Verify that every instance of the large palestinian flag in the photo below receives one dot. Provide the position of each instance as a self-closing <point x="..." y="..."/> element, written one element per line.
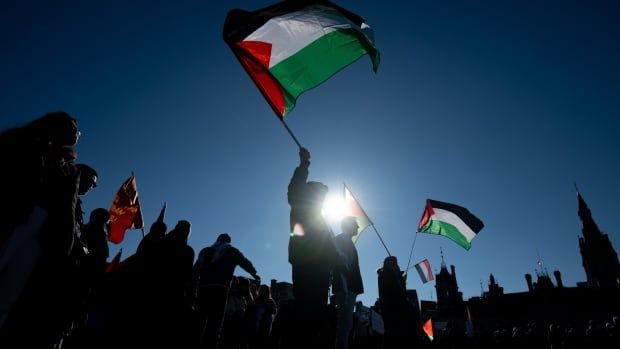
<point x="293" y="46"/>
<point x="452" y="221"/>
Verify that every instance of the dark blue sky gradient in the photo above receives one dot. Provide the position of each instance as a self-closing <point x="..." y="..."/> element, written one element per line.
<point x="496" y="106"/>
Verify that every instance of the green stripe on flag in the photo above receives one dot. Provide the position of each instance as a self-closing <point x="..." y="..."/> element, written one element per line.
<point x="318" y="61"/>
<point x="447" y="230"/>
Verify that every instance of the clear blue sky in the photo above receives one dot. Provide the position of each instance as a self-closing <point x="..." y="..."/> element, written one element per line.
<point x="496" y="106"/>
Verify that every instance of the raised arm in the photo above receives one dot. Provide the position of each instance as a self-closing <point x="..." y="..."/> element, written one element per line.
<point x="300" y="176"/>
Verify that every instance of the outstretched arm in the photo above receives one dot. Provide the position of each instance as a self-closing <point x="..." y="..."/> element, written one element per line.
<point x="300" y="176"/>
<point x="246" y="265"/>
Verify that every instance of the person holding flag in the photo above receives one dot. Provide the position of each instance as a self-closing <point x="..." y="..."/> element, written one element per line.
<point x="402" y="323"/>
<point x="311" y="252"/>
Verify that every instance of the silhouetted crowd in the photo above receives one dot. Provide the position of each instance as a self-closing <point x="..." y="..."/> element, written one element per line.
<point x="58" y="290"/>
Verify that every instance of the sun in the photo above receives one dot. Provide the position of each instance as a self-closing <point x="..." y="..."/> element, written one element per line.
<point x="334" y="208"/>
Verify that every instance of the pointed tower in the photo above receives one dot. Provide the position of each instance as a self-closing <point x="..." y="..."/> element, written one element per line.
<point x="448" y="295"/>
<point x="598" y="256"/>
<point x="494" y="288"/>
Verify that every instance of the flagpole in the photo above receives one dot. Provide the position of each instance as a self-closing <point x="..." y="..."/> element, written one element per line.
<point x="273" y="107"/>
<point x="411" y="253"/>
<point x="379" y="235"/>
<point x="133" y="175"/>
<point x="289" y="131"/>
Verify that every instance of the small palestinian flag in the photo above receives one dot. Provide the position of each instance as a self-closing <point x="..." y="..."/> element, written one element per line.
<point x="452" y="221"/>
<point x="424" y="269"/>
<point x="293" y="46"/>
<point x="353" y="209"/>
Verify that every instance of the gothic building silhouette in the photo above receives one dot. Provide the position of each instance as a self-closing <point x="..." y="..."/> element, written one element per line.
<point x="546" y="301"/>
<point x="599" y="259"/>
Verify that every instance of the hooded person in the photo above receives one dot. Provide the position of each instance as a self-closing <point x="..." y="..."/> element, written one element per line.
<point x="213" y="273"/>
<point x="180" y="259"/>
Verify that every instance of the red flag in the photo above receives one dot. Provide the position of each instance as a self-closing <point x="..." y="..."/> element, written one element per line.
<point x="115" y="263"/>
<point x="125" y="212"/>
<point x="428" y="328"/>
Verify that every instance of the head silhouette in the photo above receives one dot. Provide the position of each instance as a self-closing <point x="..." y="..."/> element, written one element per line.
<point x="349" y="226"/>
<point x="181" y="231"/>
<point x="316" y="192"/>
<point x="99" y="216"/>
<point x="390" y="262"/>
<point x="158" y="229"/>
<point x="264" y="292"/>
<point x="88" y="178"/>
<point x="57" y="128"/>
<point x="223" y="238"/>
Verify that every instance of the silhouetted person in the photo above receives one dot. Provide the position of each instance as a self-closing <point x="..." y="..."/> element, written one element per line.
<point x="138" y="289"/>
<point x="154" y="239"/>
<point x="250" y="295"/>
<point x="397" y="320"/>
<point x="95" y="237"/>
<point x="347" y="281"/>
<point x="90" y="277"/>
<point x="265" y="310"/>
<point x="311" y="252"/>
<point x="29" y="151"/>
<point x="83" y="273"/>
<point x="43" y="214"/>
<point x="213" y="272"/>
<point x="88" y="180"/>
<point x="236" y="308"/>
<point x="176" y="277"/>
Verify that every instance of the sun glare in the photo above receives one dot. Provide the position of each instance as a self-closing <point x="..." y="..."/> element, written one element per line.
<point x="334" y="208"/>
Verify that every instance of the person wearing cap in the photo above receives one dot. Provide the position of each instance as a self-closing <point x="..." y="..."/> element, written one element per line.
<point x="213" y="273"/>
<point x="311" y="252"/>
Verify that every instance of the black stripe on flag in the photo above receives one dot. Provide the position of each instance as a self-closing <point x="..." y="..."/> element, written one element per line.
<point x="467" y="217"/>
<point x="240" y="23"/>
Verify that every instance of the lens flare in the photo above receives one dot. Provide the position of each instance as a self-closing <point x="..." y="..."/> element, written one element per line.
<point x="334" y="208"/>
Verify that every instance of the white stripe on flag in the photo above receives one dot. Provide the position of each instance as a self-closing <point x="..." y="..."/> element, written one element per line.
<point x="451" y="218"/>
<point x="427" y="270"/>
<point x="293" y="31"/>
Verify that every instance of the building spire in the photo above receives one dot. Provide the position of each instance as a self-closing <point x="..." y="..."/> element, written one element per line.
<point x="590" y="229"/>
<point x="599" y="258"/>
<point x="539" y="262"/>
<point x="443" y="263"/>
